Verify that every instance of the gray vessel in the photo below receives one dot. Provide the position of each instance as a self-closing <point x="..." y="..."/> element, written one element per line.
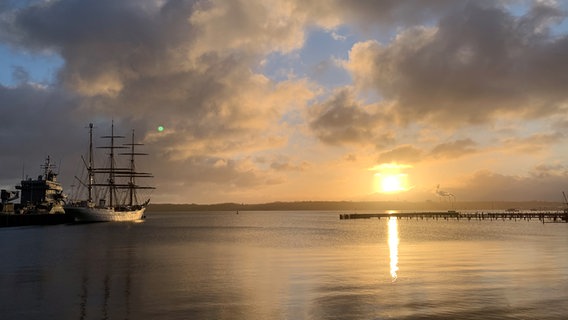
<point x="41" y="201"/>
<point x="43" y="195"/>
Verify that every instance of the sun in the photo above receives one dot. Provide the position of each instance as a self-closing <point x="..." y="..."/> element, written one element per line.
<point x="391" y="183"/>
<point x="391" y="178"/>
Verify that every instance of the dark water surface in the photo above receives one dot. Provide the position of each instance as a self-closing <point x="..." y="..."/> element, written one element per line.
<point x="285" y="265"/>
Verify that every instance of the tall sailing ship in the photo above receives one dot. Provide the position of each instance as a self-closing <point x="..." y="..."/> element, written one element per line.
<point x="114" y="197"/>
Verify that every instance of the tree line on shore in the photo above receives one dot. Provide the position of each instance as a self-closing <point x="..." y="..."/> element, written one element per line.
<point x="354" y="206"/>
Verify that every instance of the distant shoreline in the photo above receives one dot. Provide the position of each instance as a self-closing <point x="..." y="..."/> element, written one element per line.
<point x="354" y="206"/>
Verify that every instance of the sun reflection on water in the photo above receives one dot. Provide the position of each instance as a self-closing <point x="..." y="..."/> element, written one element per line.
<point x="393" y="247"/>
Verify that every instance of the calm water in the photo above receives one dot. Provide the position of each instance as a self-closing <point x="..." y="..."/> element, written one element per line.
<point x="285" y="265"/>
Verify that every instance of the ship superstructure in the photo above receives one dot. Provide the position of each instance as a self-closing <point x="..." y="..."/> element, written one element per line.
<point x="40" y="196"/>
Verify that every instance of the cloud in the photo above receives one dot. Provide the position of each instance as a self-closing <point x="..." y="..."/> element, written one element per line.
<point x="454" y="149"/>
<point x="546" y="170"/>
<point x="532" y="144"/>
<point x="150" y="63"/>
<point x="365" y="14"/>
<point x="104" y="43"/>
<point x="284" y="163"/>
<point x="37" y="122"/>
<point x="487" y="185"/>
<point x="478" y="63"/>
<point x="412" y="154"/>
<point x="205" y="178"/>
<point x="248" y="26"/>
<point x="401" y="154"/>
<point x="342" y="119"/>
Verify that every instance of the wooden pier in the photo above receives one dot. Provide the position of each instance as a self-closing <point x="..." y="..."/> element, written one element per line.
<point x="543" y="216"/>
<point x="408" y="215"/>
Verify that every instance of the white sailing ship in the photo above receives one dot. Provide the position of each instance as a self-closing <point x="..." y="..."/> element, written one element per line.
<point x="115" y="198"/>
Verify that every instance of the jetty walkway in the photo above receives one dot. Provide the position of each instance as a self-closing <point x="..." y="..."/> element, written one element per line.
<point x="543" y="216"/>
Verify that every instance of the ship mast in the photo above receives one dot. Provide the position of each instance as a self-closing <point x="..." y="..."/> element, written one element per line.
<point x="111" y="170"/>
<point x="132" y="170"/>
<point x="47" y="168"/>
<point x="90" y="168"/>
<point x="132" y="174"/>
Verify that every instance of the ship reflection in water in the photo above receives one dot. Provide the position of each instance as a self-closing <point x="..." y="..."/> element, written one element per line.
<point x="393" y="247"/>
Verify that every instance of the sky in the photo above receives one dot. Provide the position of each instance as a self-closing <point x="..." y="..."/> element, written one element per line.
<point x="292" y="100"/>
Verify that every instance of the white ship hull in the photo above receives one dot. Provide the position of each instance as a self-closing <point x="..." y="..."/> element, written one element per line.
<point x="98" y="214"/>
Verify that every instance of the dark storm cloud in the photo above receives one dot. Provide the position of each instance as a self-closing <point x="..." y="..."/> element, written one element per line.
<point x="478" y="63"/>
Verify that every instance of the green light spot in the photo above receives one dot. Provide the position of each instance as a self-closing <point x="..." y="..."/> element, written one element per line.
<point x="160" y="128"/>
